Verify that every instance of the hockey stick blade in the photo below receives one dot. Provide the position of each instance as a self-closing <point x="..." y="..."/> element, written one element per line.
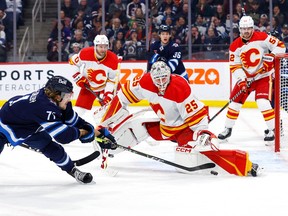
<point x="189" y="169"/>
<point x="79" y="162"/>
<point x="201" y="167"/>
<point x="87" y="159"/>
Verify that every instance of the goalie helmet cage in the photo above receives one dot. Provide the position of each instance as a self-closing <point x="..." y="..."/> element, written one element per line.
<point x="281" y="102"/>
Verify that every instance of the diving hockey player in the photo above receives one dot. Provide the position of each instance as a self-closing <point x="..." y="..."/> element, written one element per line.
<point x="181" y="117"/>
<point x="36" y="118"/>
<point x="251" y="59"/>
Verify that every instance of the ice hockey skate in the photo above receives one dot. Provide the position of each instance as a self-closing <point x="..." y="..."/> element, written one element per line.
<point x="255" y="170"/>
<point x="81" y="177"/>
<point x="269" y="137"/>
<point x="225" y="134"/>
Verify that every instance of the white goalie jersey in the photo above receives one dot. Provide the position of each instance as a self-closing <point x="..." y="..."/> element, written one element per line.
<point x="177" y="109"/>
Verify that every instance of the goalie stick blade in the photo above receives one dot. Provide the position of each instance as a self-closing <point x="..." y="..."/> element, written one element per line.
<point x="87" y="159"/>
<point x="189" y="169"/>
<point x="201" y="167"/>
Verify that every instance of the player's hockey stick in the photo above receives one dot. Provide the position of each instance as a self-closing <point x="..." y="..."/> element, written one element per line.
<point x="226" y="105"/>
<point x="231" y="100"/>
<point x="92" y="92"/>
<point x="78" y="162"/>
<point x="189" y="169"/>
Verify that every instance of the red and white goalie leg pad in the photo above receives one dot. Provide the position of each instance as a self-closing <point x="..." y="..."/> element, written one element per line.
<point x="111" y="114"/>
<point x="190" y="155"/>
<point x="132" y="130"/>
<point x="205" y="149"/>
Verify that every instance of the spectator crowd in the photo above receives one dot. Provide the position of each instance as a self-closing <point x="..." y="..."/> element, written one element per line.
<point x="125" y="24"/>
<point x="6" y="24"/>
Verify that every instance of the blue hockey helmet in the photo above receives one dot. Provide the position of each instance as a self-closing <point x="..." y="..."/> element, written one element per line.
<point x="59" y="84"/>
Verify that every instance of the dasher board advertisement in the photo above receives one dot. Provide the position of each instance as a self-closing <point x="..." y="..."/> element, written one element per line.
<point x="211" y="80"/>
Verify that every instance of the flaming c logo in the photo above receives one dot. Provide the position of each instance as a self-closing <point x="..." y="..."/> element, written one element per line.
<point x="97" y="76"/>
<point x="158" y="110"/>
<point x="250" y="58"/>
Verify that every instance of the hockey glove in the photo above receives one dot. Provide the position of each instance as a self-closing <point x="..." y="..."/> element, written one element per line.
<point x="107" y="97"/>
<point x="90" y="136"/>
<point x="206" y="138"/>
<point x="268" y="61"/>
<point x="106" y="140"/>
<point x="242" y="83"/>
<point x="81" y="81"/>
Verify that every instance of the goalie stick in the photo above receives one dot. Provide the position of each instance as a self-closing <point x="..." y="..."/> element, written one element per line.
<point x="189" y="169"/>
<point x="79" y="162"/>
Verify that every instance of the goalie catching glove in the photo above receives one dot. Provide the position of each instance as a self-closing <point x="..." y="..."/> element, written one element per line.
<point x="87" y="133"/>
<point x="106" y="140"/>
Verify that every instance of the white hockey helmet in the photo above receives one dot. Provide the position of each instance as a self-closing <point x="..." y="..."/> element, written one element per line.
<point x="246" y="22"/>
<point x="160" y="74"/>
<point x="101" y="39"/>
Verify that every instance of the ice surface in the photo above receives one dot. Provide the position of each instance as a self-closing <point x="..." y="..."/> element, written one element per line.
<point x="31" y="185"/>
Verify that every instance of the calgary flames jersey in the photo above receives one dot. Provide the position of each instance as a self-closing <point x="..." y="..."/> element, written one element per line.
<point x="246" y="59"/>
<point x="101" y="74"/>
<point x="177" y="108"/>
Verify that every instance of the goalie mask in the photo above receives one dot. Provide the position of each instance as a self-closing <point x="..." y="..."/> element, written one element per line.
<point x="246" y="27"/>
<point x="160" y="74"/>
<point x="101" y="45"/>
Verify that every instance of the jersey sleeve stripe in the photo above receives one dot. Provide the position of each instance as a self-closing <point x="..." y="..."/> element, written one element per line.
<point x="8" y="132"/>
<point x="197" y="117"/>
<point x="128" y="93"/>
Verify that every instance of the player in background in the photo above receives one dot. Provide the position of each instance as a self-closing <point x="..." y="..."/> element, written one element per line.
<point x="182" y="117"/>
<point x="39" y="118"/>
<point x="251" y="59"/>
<point x="95" y="69"/>
<point x="283" y="81"/>
<point x="168" y="51"/>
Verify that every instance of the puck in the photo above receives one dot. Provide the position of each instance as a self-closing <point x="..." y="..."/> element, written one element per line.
<point x="214" y="172"/>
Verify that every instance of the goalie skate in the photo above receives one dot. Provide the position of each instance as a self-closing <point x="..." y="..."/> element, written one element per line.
<point x="225" y="134"/>
<point x="256" y="170"/>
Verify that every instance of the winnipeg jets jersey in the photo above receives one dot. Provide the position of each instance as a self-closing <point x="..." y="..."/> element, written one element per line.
<point x="172" y="53"/>
<point x="101" y="74"/>
<point x="22" y="116"/>
<point x="177" y="108"/>
<point x="246" y="58"/>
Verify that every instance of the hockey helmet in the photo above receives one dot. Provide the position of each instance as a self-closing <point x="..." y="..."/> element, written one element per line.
<point x="59" y="84"/>
<point x="274" y="33"/>
<point x="160" y="74"/>
<point x="164" y="28"/>
<point x="101" y="39"/>
<point x="246" y="22"/>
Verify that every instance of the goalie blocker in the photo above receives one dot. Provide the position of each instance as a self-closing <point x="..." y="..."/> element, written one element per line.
<point x="130" y="130"/>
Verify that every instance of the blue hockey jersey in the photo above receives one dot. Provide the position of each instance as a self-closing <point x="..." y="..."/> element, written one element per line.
<point x="25" y="115"/>
<point x="172" y="53"/>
